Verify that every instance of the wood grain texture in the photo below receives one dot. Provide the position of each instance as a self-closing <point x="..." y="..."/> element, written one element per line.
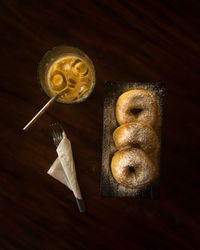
<point x="108" y="185"/>
<point x="141" y="41"/>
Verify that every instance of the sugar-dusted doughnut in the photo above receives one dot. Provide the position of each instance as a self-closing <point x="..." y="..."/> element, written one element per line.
<point x="137" y="106"/>
<point x="136" y="134"/>
<point x="132" y="168"/>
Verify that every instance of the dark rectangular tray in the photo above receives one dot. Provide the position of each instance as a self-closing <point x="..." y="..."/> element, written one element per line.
<point x="109" y="186"/>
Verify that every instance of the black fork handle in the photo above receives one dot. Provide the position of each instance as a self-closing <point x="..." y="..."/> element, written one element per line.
<point x="81" y="205"/>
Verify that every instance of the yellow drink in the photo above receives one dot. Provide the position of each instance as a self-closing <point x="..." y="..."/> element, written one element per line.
<point x="67" y="67"/>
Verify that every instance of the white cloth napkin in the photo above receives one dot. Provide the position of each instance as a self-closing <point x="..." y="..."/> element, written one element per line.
<point x="63" y="168"/>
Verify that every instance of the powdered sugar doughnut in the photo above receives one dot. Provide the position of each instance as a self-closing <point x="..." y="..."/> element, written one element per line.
<point x="137" y="106"/>
<point x="136" y="134"/>
<point x="132" y="168"/>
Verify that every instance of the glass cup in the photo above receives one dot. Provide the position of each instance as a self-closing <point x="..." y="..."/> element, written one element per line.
<point x="66" y="67"/>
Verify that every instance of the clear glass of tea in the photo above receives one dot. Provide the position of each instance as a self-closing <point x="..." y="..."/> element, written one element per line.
<point x="67" y="67"/>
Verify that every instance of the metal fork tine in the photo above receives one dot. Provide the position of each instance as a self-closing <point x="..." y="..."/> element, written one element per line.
<point x="59" y="130"/>
<point x="56" y="131"/>
<point x="53" y="135"/>
<point x="56" y="135"/>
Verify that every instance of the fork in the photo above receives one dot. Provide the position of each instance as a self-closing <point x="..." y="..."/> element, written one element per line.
<point x="57" y="134"/>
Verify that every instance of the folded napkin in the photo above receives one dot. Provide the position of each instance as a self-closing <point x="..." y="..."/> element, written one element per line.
<point x="63" y="168"/>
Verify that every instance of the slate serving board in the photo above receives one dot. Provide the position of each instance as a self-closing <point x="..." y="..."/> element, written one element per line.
<point x="109" y="186"/>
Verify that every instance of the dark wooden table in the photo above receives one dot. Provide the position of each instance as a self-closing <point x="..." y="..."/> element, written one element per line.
<point x="128" y="41"/>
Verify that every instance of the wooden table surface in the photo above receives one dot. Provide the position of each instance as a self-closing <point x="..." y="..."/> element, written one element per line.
<point x="127" y="41"/>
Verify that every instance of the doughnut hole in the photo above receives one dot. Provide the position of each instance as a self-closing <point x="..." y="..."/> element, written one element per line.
<point x="136" y="111"/>
<point x="58" y="82"/>
<point x="131" y="169"/>
<point x="135" y="145"/>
